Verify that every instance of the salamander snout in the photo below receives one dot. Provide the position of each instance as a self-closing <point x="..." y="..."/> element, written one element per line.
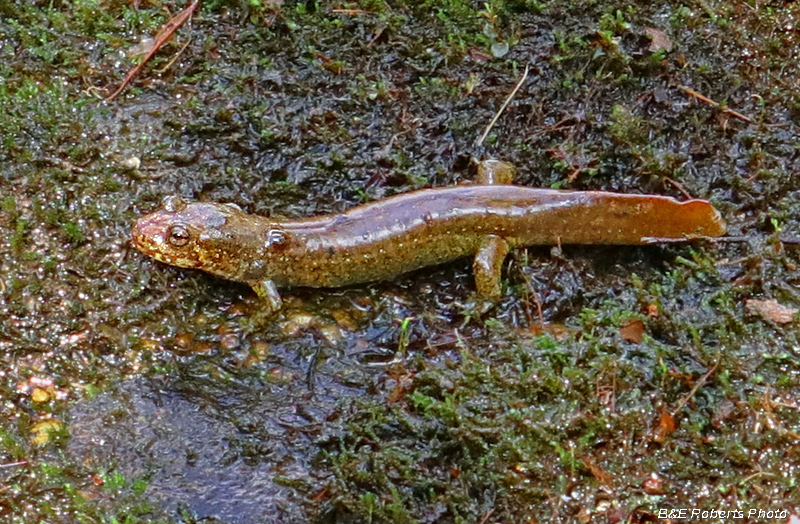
<point x="160" y="236"/>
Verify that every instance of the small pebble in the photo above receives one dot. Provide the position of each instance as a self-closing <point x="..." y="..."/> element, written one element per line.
<point x="132" y="163"/>
<point x="40" y="395"/>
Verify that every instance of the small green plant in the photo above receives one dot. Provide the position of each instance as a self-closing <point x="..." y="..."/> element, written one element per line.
<point x="614" y="23"/>
<point x="405" y="334"/>
<point x="492" y="31"/>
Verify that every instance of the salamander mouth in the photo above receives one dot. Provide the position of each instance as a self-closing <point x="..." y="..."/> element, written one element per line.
<point x="148" y="240"/>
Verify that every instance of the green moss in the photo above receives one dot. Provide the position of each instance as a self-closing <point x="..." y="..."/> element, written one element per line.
<point x="9" y="206"/>
<point x="436" y="88"/>
<point x="74" y="232"/>
<point x="18" y="238"/>
<point x="627" y="128"/>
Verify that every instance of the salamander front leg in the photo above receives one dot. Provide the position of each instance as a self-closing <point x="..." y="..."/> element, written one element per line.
<point x="493" y="172"/>
<point x="488" y="266"/>
<point x="268" y="291"/>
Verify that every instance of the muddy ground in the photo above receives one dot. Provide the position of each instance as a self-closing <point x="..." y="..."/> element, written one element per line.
<point x="609" y="384"/>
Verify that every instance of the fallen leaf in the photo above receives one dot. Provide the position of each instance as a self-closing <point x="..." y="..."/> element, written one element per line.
<point x="584" y="516"/>
<point x="652" y="310"/>
<point x="597" y="472"/>
<point x="666" y="425"/>
<point x="653" y="485"/>
<point x="559" y="332"/>
<point x="479" y="55"/>
<point x="632" y="331"/>
<point x="322" y="495"/>
<point x="402" y="385"/>
<point x="658" y="40"/>
<point x="771" y="310"/>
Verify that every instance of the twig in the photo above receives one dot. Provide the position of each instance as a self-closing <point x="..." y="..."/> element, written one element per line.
<point x="502" y="107"/>
<point x="697" y="386"/>
<point x="714" y="240"/>
<point x="378" y="33"/>
<point x="538" y="304"/>
<point x="174" y="58"/>
<point x="677" y="186"/>
<point x="352" y="12"/>
<point x="14" y="464"/>
<point x="163" y="36"/>
<point x="691" y="92"/>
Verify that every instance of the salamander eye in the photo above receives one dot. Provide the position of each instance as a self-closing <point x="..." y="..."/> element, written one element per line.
<point x="179" y="235"/>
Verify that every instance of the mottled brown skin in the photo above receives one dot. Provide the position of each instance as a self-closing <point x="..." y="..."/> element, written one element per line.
<point x="381" y="240"/>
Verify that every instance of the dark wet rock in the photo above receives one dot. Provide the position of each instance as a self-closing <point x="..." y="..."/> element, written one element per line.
<point x="214" y="452"/>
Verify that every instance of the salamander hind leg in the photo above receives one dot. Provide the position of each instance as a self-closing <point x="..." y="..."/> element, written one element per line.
<point x="488" y="266"/>
<point x="494" y="172"/>
<point x="268" y="291"/>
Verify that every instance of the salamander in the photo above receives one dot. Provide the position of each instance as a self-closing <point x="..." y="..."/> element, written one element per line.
<point x="381" y="240"/>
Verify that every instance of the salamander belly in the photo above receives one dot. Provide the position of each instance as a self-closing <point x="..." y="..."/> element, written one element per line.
<point x="334" y="264"/>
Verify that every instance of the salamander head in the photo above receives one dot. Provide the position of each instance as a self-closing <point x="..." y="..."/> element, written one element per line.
<point x="194" y="235"/>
